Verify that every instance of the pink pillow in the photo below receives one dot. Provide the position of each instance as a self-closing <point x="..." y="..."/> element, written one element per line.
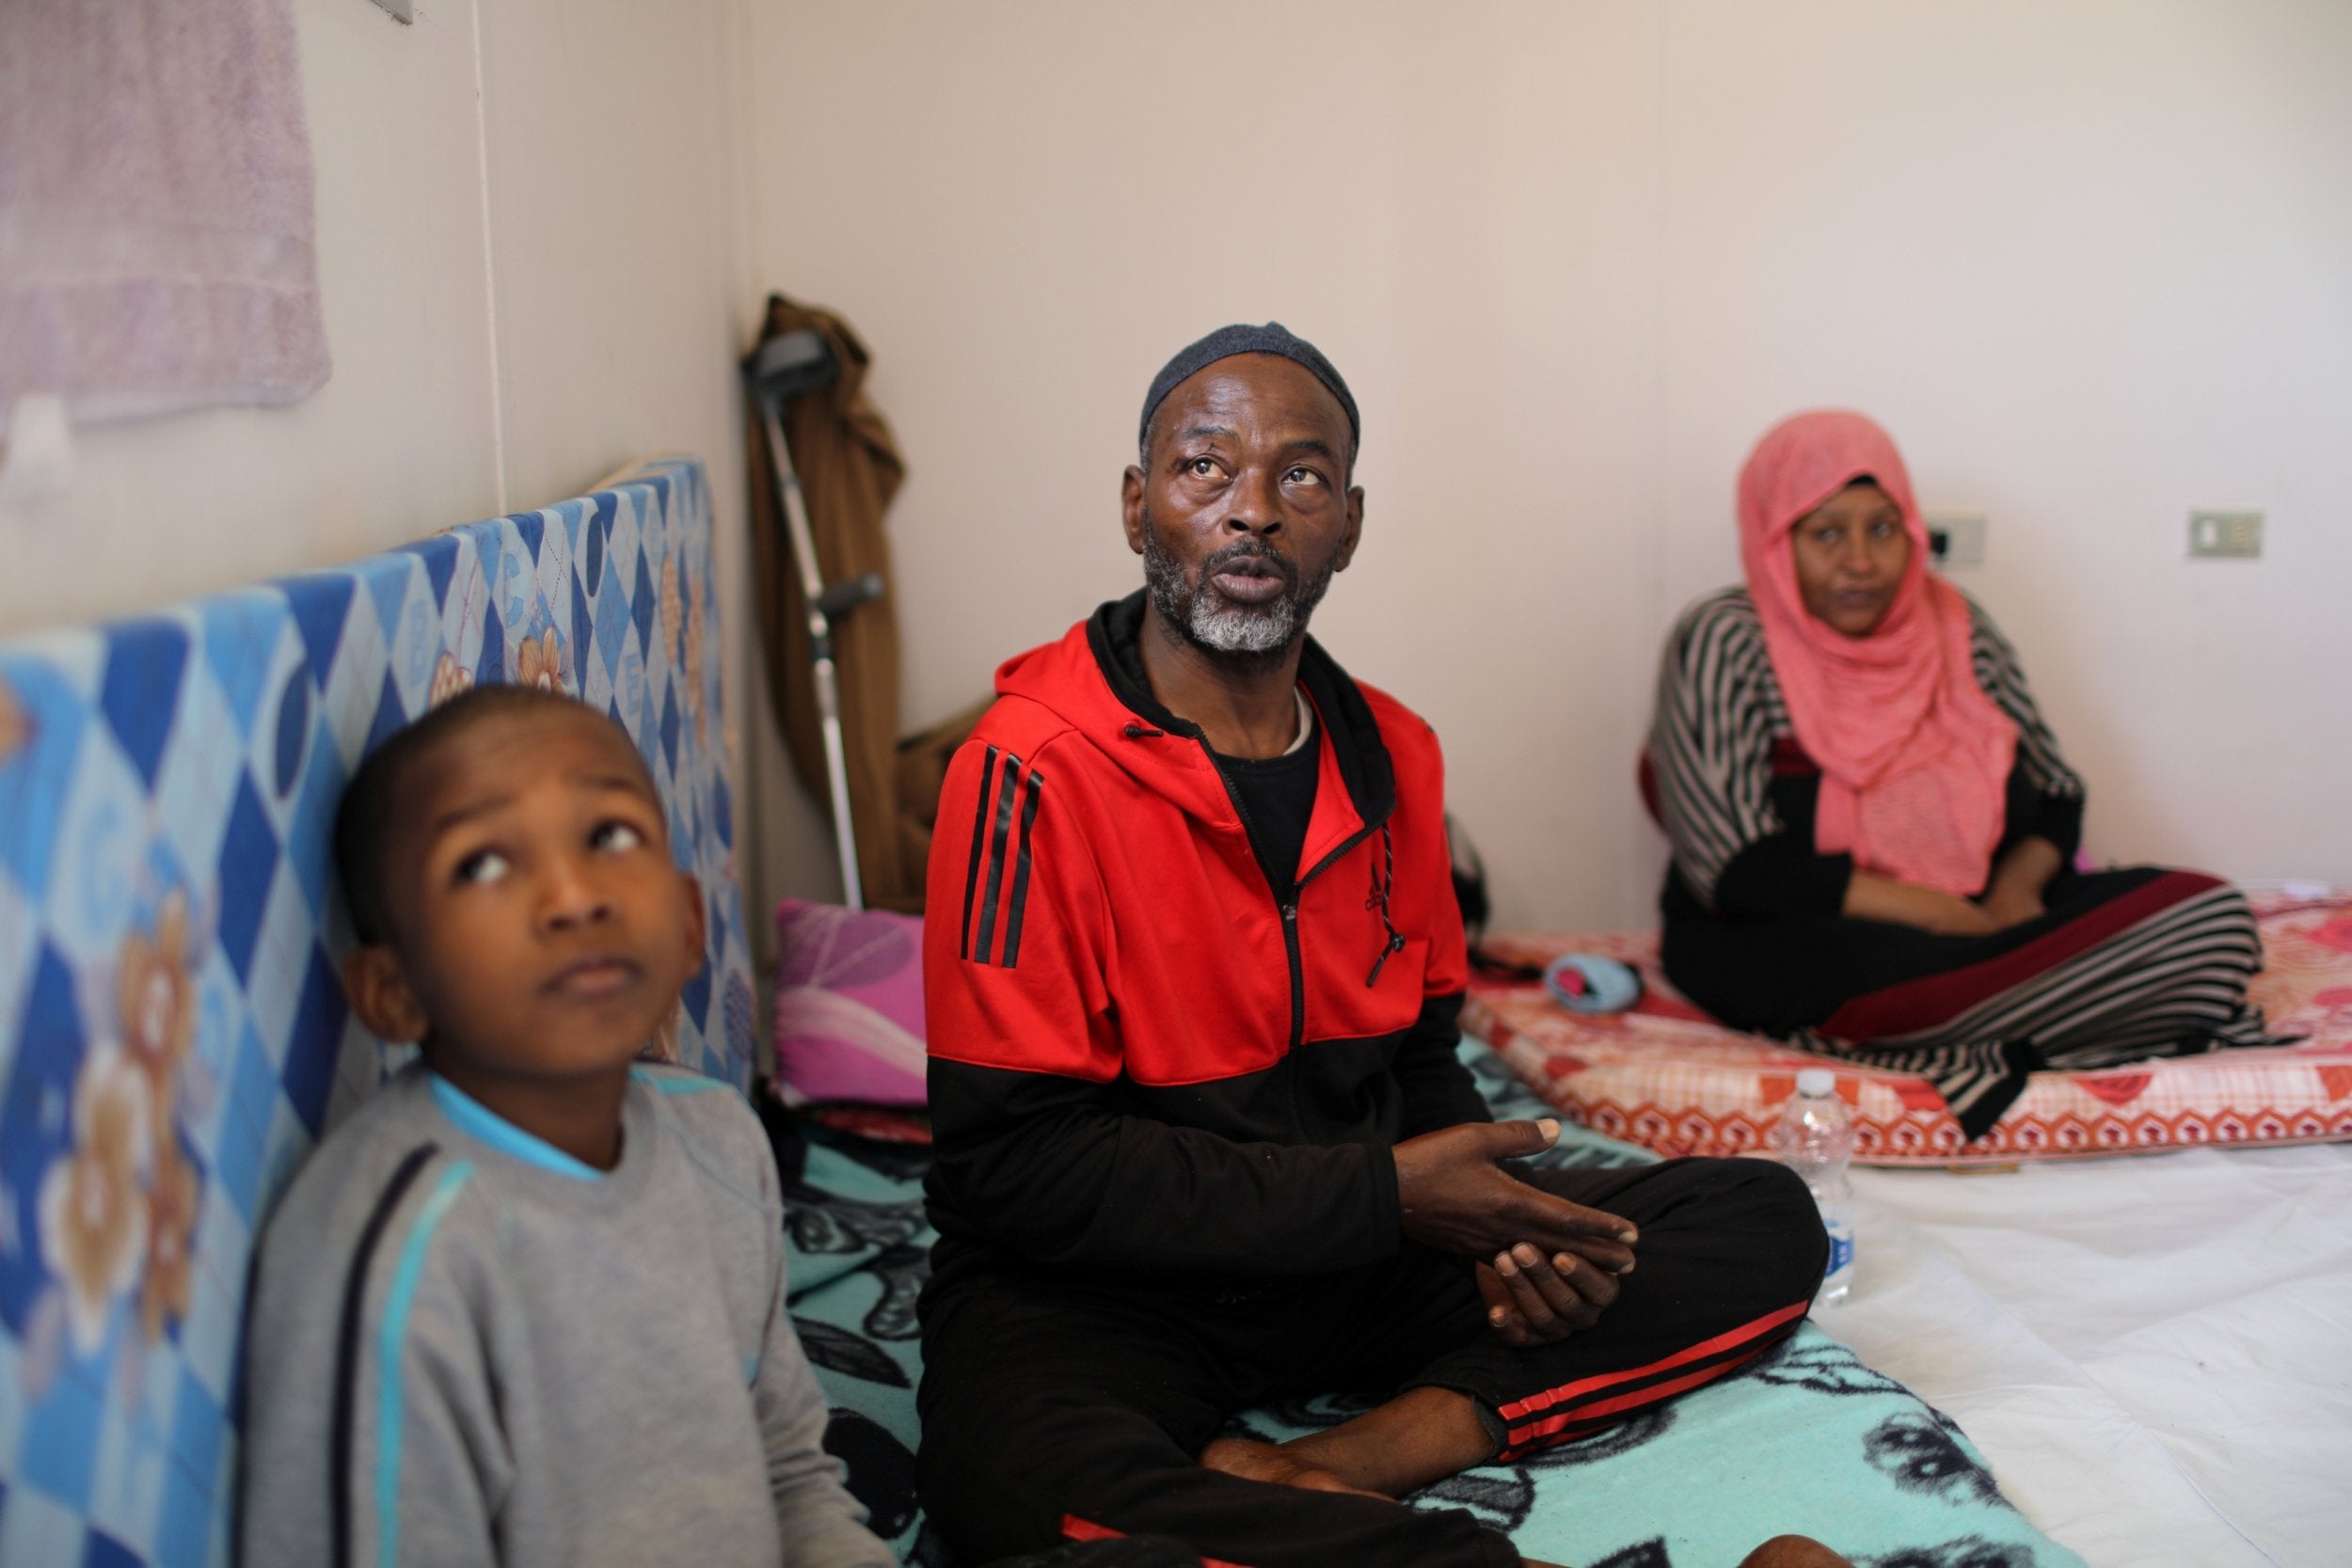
<point x="849" y="1004"/>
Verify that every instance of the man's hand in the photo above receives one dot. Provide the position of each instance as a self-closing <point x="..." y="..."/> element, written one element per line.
<point x="1454" y="1196"/>
<point x="1531" y="1300"/>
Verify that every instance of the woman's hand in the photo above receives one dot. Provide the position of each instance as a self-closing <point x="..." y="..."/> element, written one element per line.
<point x="2015" y="894"/>
<point x="1871" y="896"/>
<point x="2011" y="906"/>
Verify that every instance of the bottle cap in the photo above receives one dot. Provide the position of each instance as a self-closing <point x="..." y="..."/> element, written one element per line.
<point x="1816" y="1082"/>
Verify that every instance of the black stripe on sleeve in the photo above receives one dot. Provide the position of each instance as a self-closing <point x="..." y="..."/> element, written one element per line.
<point x="997" y="854"/>
<point x="344" y="1482"/>
<point x="972" y="866"/>
<point x="1021" y="871"/>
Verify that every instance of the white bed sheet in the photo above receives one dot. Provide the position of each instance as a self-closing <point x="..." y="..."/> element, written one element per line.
<point x="2153" y="1351"/>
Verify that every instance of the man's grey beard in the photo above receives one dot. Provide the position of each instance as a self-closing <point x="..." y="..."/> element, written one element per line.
<point x="1250" y="636"/>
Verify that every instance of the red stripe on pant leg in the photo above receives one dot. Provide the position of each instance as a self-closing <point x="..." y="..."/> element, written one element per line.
<point x="1918" y="1005"/>
<point x="1608" y="1411"/>
<point x="1075" y="1529"/>
<point x="1705" y="1348"/>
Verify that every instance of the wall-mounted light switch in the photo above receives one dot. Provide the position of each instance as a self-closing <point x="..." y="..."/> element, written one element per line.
<point x="2225" y="533"/>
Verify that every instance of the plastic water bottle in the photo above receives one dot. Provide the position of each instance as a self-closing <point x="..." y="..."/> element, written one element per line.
<point x="1815" y="1139"/>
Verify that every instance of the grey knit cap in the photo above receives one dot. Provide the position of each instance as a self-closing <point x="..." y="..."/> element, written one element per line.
<point x="1226" y="341"/>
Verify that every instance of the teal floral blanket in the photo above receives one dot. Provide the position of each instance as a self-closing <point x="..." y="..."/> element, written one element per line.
<point x="1804" y="1439"/>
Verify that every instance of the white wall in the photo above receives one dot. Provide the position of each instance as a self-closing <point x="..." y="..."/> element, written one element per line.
<point x="2089" y="262"/>
<point x="532" y="231"/>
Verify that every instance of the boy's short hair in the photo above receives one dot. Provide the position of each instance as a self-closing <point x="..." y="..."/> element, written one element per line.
<point x="371" y="803"/>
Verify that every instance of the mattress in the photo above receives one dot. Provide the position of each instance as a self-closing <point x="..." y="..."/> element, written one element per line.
<point x="172" y="1036"/>
<point x="1667" y="1077"/>
<point x="1809" y="1438"/>
<point x="2154" y="1352"/>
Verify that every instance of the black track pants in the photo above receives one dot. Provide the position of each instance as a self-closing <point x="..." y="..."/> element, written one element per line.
<point x="1075" y="1408"/>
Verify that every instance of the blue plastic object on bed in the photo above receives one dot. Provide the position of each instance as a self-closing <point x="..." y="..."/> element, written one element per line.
<point x="1593" y="983"/>
<point x="1805" y="1439"/>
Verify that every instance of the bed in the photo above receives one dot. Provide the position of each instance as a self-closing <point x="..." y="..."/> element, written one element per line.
<point x="2154" y="1352"/>
<point x="2152" y="1347"/>
<point x="2147" y="1348"/>
<point x="1811" y="1438"/>
<point x="1666" y="1076"/>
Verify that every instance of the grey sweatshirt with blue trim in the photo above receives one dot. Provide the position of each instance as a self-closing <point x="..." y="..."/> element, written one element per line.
<point x="467" y="1348"/>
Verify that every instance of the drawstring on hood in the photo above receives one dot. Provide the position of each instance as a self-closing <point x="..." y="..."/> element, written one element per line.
<point x="1384" y="877"/>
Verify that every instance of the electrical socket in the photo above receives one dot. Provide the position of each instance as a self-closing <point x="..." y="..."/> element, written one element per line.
<point x="1957" y="537"/>
<point x="2219" y="534"/>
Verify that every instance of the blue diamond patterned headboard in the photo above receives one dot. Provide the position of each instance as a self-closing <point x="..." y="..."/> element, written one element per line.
<point x="172" y="1037"/>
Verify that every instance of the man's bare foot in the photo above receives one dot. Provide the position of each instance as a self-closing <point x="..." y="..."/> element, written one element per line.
<point x="1423" y="1434"/>
<point x="1781" y="1551"/>
<point x="1793" y="1551"/>
<point x="1276" y="1463"/>
<point x="1302" y="1462"/>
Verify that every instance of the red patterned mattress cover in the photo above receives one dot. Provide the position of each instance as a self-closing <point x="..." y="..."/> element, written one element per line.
<point x="1666" y="1076"/>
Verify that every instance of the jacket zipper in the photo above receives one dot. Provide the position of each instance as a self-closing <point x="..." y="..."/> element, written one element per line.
<point x="1289" y="909"/>
<point x="1298" y="972"/>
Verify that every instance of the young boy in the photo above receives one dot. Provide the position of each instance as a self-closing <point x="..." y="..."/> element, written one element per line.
<point x="527" y="1306"/>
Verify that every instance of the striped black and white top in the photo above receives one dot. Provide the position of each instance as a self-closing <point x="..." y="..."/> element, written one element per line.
<point x="1721" y="717"/>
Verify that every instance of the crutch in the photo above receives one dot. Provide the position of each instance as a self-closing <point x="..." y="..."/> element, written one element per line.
<point x="779" y="370"/>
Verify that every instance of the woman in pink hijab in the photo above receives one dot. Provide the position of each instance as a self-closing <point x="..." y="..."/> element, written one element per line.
<point x="1873" y="828"/>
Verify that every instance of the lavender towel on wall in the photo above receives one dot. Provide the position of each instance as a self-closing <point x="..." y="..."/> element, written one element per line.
<point x="155" y="207"/>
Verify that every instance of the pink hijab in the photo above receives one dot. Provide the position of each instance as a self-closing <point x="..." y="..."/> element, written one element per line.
<point x="1915" y="757"/>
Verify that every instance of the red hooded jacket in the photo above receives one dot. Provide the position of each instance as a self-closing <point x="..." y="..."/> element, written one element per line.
<point x="1142" y="1060"/>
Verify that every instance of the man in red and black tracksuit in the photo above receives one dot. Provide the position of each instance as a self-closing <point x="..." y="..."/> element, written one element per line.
<point x="1193" y="963"/>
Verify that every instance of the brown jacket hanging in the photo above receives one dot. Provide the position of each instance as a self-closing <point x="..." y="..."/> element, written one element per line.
<point x="848" y="468"/>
